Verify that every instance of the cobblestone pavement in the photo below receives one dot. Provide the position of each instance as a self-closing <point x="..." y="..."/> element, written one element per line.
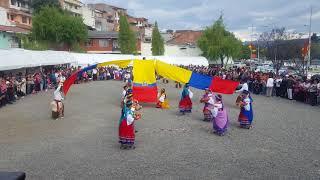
<point x="284" y="143"/>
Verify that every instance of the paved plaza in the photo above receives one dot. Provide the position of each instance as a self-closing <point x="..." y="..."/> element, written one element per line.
<point x="284" y="143"/>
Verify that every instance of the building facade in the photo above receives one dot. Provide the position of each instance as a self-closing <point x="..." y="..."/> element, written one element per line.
<point x="103" y="42"/>
<point x="17" y="13"/>
<point x="9" y="36"/>
<point x="15" y="18"/>
<point x="88" y="16"/>
<point x="106" y="16"/>
<point x="73" y="6"/>
<point x="179" y="43"/>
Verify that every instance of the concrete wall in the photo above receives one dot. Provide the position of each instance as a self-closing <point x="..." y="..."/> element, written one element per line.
<point x="171" y="50"/>
<point x="113" y="46"/>
<point x="88" y="16"/>
<point x="3" y="17"/>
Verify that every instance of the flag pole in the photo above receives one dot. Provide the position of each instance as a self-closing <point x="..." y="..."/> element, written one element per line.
<point x="309" y="48"/>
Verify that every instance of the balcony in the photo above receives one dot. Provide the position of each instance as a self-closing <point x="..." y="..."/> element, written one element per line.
<point x="73" y="2"/>
<point x="73" y="9"/>
<point x="21" y="6"/>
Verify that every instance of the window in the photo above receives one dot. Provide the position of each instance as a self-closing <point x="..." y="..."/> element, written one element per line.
<point x="115" y="44"/>
<point x="29" y="20"/>
<point x="24" y="20"/>
<point x="98" y="26"/>
<point x="13" y="2"/>
<point x="89" y="43"/>
<point x="103" y="43"/>
<point x="12" y="17"/>
<point x="8" y="16"/>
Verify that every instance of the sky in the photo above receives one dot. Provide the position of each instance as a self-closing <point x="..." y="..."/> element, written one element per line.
<point x="239" y="15"/>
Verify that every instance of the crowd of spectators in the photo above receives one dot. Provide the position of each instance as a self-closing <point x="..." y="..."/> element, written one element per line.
<point x="297" y="88"/>
<point x="16" y="86"/>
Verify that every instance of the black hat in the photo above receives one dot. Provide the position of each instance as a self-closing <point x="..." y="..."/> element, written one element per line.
<point x="245" y="92"/>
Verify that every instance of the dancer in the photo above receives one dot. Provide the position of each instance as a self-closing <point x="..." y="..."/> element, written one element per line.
<point x="56" y="104"/>
<point x="163" y="101"/>
<point x="208" y="101"/>
<point x="220" y="120"/>
<point x="244" y="87"/>
<point x="246" y="111"/>
<point x="185" y="104"/>
<point x="123" y="95"/>
<point x="126" y="127"/>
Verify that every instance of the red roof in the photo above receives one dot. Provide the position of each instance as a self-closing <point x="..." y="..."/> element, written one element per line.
<point x="135" y="19"/>
<point x="13" y="29"/>
<point x="185" y="37"/>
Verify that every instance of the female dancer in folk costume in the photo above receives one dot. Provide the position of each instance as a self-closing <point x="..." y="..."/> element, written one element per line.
<point x="126" y="127"/>
<point x="244" y="87"/>
<point x="123" y="95"/>
<point x="163" y="101"/>
<point x="208" y="101"/>
<point x="220" y="117"/>
<point x="57" y="105"/>
<point x="246" y="111"/>
<point x="185" y="104"/>
<point x="136" y="107"/>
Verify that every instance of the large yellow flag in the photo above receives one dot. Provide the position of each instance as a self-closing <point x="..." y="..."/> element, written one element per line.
<point x="172" y="72"/>
<point x="144" y="72"/>
<point x="144" y="81"/>
<point x="120" y="63"/>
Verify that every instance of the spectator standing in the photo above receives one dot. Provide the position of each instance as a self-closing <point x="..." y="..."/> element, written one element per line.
<point x="270" y="83"/>
<point x="312" y="93"/>
<point x="95" y="74"/>
<point x="278" y="83"/>
<point x="290" y="84"/>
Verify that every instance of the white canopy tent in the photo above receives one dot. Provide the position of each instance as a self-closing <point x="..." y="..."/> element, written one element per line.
<point x="20" y="58"/>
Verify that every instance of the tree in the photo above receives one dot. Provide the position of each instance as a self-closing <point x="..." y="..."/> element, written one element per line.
<point x="280" y="46"/>
<point x="127" y="38"/>
<point x="157" y="42"/>
<point x="58" y="27"/>
<point x="315" y="38"/>
<point x="218" y="43"/>
<point x="38" y="4"/>
<point x="245" y="52"/>
<point x="315" y="50"/>
<point x="315" y="46"/>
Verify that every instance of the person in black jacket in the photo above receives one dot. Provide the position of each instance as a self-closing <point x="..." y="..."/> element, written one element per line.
<point x="283" y="87"/>
<point x="290" y="84"/>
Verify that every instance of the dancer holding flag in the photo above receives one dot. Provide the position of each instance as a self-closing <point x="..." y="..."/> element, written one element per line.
<point x="57" y="105"/>
<point x="185" y="104"/>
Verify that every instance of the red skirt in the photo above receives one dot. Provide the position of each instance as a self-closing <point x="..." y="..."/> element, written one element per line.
<point x="126" y="133"/>
<point x="185" y="104"/>
<point x="158" y="104"/>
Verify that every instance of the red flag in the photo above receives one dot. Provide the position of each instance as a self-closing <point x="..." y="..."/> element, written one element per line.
<point x="147" y="94"/>
<point x="223" y="86"/>
<point x="305" y="48"/>
<point x="69" y="82"/>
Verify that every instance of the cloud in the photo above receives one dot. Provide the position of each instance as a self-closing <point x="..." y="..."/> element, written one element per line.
<point x="238" y="15"/>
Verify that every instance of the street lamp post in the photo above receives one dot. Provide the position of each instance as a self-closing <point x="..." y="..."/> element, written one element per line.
<point x="309" y="48"/>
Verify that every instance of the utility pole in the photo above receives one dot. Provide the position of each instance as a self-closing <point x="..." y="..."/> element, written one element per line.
<point x="309" y="52"/>
<point x="251" y="41"/>
<point x="258" y="39"/>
